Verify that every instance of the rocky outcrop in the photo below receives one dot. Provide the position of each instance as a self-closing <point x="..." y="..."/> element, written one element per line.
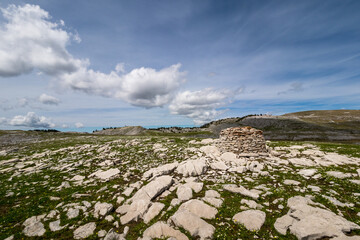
<point x="308" y="222"/>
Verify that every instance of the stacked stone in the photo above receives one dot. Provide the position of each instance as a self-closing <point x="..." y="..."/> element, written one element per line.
<point x="241" y="140"/>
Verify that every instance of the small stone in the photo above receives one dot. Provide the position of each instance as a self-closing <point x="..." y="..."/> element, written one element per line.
<point x="109" y="218"/>
<point x="72" y="213"/>
<point x="291" y="182"/>
<point x="102" y="233"/>
<point x="55" y="226"/>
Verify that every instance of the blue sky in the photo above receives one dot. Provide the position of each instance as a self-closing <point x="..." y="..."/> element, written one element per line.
<point x="86" y="63"/>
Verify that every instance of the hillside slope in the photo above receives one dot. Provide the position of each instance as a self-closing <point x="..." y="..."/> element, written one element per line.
<point x="334" y="125"/>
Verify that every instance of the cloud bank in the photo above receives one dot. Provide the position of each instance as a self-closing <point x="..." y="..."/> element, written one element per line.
<point x="49" y="100"/>
<point x="30" y="120"/>
<point x="29" y="41"/>
<point x="201" y="106"/>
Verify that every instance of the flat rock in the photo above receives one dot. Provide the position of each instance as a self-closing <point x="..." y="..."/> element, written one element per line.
<point x="192" y="167"/>
<point x="219" y="166"/>
<point x="84" y="231"/>
<point x="34" y="226"/>
<point x="162" y="230"/>
<point x="136" y="210"/>
<point x="55" y="226"/>
<point x="154" y="188"/>
<point x="195" y="186"/>
<point x="291" y="182"/>
<point x="243" y="191"/>
<point x="184" y="193"/>
<point x="337" y="174"/>
<point x="216" y="202"/>
<point x="251" y="219"/>
<point x="102" y="209"/>
<point x="199" y="208"/>
<point x="106" y="175"/>
<point x="72" y="213"/>
<point x="307" y="172"/>
<point x="193" y="224"/>
<point x="211" y="151"/>
<point x="308" y="222"/>
<point x="161" y="170"/>
<point x="153" y="211"/>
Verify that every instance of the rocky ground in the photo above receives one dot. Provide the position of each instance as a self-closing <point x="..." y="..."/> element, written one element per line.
<point x="111" y="187"/>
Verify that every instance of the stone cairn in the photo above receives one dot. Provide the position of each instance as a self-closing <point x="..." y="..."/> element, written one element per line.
<point x="242" y="141"/>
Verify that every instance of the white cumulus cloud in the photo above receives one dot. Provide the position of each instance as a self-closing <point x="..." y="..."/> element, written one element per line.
<point x="79" y="125"/>
<point x="31" y="120"/>
<point x="28" y="41"/>
<point x="202" y="106"/>
<point x="143" y="87"/>
<point x="47" y="99"/>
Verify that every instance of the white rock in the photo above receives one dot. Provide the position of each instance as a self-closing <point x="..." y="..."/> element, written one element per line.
<point x="243" y="191"/>
<point x="192" y="167"/>
<point x="55" y="226"/>
<point x="109" y="218"/>
<point x="219" y="166"/>
<point x="159" y="171"/>
<point x="72" y="213"/>
<point x="161" y="230"/>
<point x="282" y="224"/>
<point x="195" y="186"/>
<point x="184" y="193"/>
<point x="153" y="211"/>
<point x="85" y="231"/>
<point x="193" y="224"/>
<point x="216" y="202"/>
<point x="102" y="233"/>
<point x="136" y="210"/>
<point x="301" y="162"/>
<point x="102" y="209"/>
<point x="199" y="208"/>
<point x="291" y="182"/>
<point x="34" y="226"/>
<point x="211" y="151"/>
<point x="128" y="191"/>
<point x="337" y="174"/>
<point x="106" y="175"/>
<point x="154" y="188"/>
<point x="251" y="219"/>
<point x="307" y="172"/>
<point x="78" y="178"/>
<point x="212" y="194"/>
<point x="119" y="200"/>
<point x="309" y="222"/>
